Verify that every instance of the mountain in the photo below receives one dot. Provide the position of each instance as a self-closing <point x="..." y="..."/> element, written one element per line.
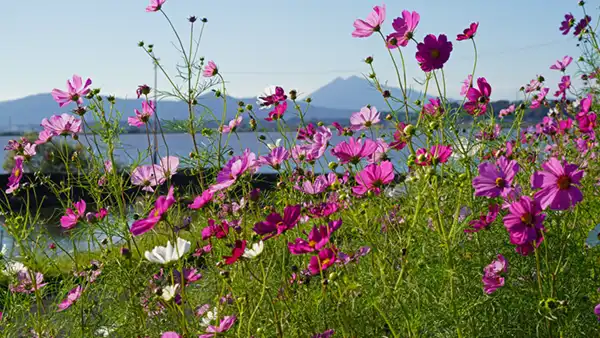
<point x="355" y="92"/>
<point x="334" y="101"/>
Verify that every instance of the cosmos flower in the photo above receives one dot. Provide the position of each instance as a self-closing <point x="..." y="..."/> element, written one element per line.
<point x="559" y="184"/>
<point x="210" y="69"/>
<point x="155" y="5"/>
<point x="495" y="179"/>
<point x="404" y="29"/>
<point x="72" y="297"/>
<point x="365" y="118"/>
<point x="562" y="64"/>
<point x="492" y="275"/>
<point x="164" y="255"/>
<point x="365" y="28"/>
<point x="76" y="90"/>
<point x="468" y="33"/>
<point x="433" y="52"/>
<point x="141" y="118"/>
<point x="72" y="217"/>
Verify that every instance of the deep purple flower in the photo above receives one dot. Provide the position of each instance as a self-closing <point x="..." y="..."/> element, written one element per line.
<point x="275" y="224"/>
<point x="478" y="98"/>
<point x="524" y="224"/>
<point x="433" y="52"/>
<point x="567" y="23"/>
<point x="582" y="25"/>
<point x="468" y="33"/>
<point x="485" y="220"/>
<point x="559" y="185"/>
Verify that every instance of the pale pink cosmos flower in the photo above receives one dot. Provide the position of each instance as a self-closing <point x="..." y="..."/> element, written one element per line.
<point x="141" y="118"/>
<point x="210" y="69"/>
<point x="539" y="98"/>
<point x="236" y="167"/>
<point x="492" y="275"/>
<point x="44" y="137"/>
<point x="466" y="85"/>
<point x="365" y="28"/>
<point x="404" y="29"/>
<point x="26" y="284"/>
<point x="155" y="5"/>
<point x="71" y="217"/>
<point x="320" y="142"/>
<point x="72" y="297"/>
<point x="76" y="90"/>
<point x="365" y="118"/>
<point x="232" y="126"/>
<point x="507" y="111"/>
<point x="381" y="151"/>
<point x="61" y="125"/>
<point x="168" y="166"/>
<point x="16" y="175"/>
<point x="147" y="176"/>
<point x="562" y="64"/>
<point x="224" y="325"/>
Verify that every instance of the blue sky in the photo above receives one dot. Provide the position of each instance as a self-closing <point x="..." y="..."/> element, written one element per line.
<point x="295" y="44"/>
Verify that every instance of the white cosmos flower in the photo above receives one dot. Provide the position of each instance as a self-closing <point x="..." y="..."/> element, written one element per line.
<point x="104" y="331"/>
<point x="13" y="267"/>
<point x="168" y="292"/>
<point x="164" y="255"/>
<point x="273" y="146"/>
<point x="211" y="316"/>
<point x="257" y="249"/>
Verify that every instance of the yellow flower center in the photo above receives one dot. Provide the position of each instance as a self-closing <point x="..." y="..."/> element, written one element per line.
<point x="435" y="53"/>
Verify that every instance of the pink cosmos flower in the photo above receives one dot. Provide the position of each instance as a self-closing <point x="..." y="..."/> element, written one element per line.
<point x="478" y="98"/>
<point x="534" y="85"/>
<point x="142" y="90"/>
<point x="317" y="239"/>
<point x="485" y="220"/>
<point x="353" y="150"/>
<point x="495" y="180"/>
<point x="26" y="284"/>
<point x="325" y="334"/>
<point x="539" y="98"/>
<point x="202" y="200"/>
<point x="507" y="111"/>
<point x="322" y="261"/>
<point x="76" y="90"/>
<point x="236" y="167"/>
<point x="433" y="52"/>
<point x="524" y="224"/>
<point x="562" y="64"/>
<point x="380" y="153"/>
<point x="365" y="118"/>
<point x="373" y="177"/>
<point x="433" y="108"/>
<point x="436" y="155"/>
<point x="275" y="158"/>
<point x="492" y="278"/>
<point x="468" y="33"/>
<point x="215" y="230"/>
<point x="14" y="181"/>
<point x="582" y="25"/>
<point x="275" y="224"/>
<point x="567" y="23"/>
<point x="563" y="86"/>
<point x="596" y="311"/>
<point x="558" y="183"/>
<point x="168" y="167"/>
<point x="232" y="125"/>
<point x="306" y="133"/>
<point x="404" y="28"/>
<point x="400" y="137"/>
<point x="72" y="297"/>
<point x="320" y="143"/>
<point x="272" y="95"/>
<point x="277" y="112"/>
<point x="161" y="206"/>
<point x="141" y="118"/>
<point x="155" y="5"/>
<point x="72" y="217"/>
<point x="147" y="176"/>
<point x="466" y="85"/>
<point x="61" y="125"/>
<point x="224" y="325"/>
<point x="170" y="334"/>
<point x="312" y="188"/>
<point x="365" y="28"/>
<point x="210" y="69"/>
<point x="342" y="130"/>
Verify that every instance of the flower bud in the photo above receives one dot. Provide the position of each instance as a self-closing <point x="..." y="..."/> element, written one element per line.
<point x="369" y="60"/>
<point x="389" y="117"/>
<point x="409" y="130"/>
<point x="333" y="165"/>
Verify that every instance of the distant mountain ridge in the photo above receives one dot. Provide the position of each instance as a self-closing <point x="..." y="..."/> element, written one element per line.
<point x="335" y="100"/>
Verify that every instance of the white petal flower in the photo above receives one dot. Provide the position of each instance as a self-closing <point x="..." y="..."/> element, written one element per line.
<point x="13" y="267"/>
<point x="164" y="255"/>
<point x="168" y="292"/>
<point x="104" y="331"/>
<point x="273" y="146"/>
<point x="211" y="316"/>
<point x="257" y="249"/>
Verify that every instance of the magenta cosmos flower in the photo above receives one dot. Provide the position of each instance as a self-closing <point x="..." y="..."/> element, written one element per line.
<point x="72" y="217"/>
<point x="365" y="28"/>
<point x="468" y="33"/>
<point x="210" y="69"/>
<point x="155" y="5"/>
<point x="495" y="180"/>
<point x="236" y="167"/>
<point x="365" y="118"/>
<point x="317" y="239"/>
<point x="161" y="206"/>
<point x="596" y="311"/>
<point x="72" y="297"/>
<point x="325" y="334"/>
<point x="322" y="261"/>
<point x="478" y="98"/>
<point x="492" y="275"/>
<point x="558" y="183"/>
<point x="433" y="108"/>
<point x="277" y="112"/>
<point x="436" y="155"/>
<point x="14" y="181"/>
<point x="484" y="220"/>
<point x="76" y="90"/>
<point x="202" y="200"/>
<point x="433" y="52"/>
<point x="170" y="334"/>
<point x="582" y="25"/>
<point x="524" y="224"/>
<point x="563" y="86"/>
<point x="567" y="23"/>
<point x="353" y="150"/>
<point x="404" y="28"/>
<point x="275" y="158"/>
<point x="272" y="96"/>
<point x="562" y="64"/>
<point x="275" y="224"/>
<point x="141" y="118"/>
<point x="539" y="98"/>
<point x="224" y="325"/>
<point x="232" y="125"/>
<point x="373" y="177"/>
